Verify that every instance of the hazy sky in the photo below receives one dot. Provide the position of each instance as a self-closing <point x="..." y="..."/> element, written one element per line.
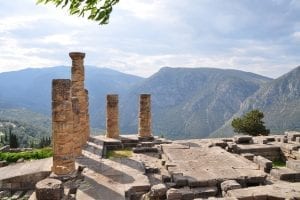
<point x="260" y="36"/>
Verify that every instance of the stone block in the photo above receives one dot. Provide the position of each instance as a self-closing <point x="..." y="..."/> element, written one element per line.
<point x="230" y="185"/>
<point x="49" y="189"/>
<point x="291" y="135"/>
<point x="173" y="194"/>
<point x="249" y="156"/>
<point x="263" y="163"/>
<point x="186" y="193"/>
<point x="243" y="139"/>
<point x="180" y="180"/>
<point x="159" y="190"/>
<point x="293" y="164"/>
<point x="205" y="192"/>
<point x="285" y="174"/>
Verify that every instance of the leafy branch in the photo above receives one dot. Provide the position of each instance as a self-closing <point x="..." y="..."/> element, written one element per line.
<point x="96" y="10"/>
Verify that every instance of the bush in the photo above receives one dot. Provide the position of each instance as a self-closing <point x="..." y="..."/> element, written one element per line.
<point x="27" y="155"/>
<point x="251" y="123"/>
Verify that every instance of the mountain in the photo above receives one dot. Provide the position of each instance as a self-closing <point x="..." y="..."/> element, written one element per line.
<point x="190" y="103"/>
<point x="279" y="99"/>
<point x="30" y="89"/>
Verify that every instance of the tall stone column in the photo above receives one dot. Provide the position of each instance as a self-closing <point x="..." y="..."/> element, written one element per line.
<point x="62" y="127"/>
<point x="145" y="116"/>
<point x="76" y="127"/>
<point x="112" y="116"/>
<point x="79" y="92"/>
<point x="87" y="125"/>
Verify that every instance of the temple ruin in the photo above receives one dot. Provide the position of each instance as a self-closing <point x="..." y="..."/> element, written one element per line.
<point x="112" y="116"/>
<point x="62" y="127"/>
<point x="242" y="167"/>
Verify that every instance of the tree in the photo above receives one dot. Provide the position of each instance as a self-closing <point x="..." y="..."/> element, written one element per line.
<point x="13" y="141"/>
<point x="251" y="123"/>
<point x="97" y="10"/>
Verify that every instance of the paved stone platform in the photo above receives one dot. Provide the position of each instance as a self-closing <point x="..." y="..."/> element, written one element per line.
<point x="281" y="190"/>
<point x="208" y="166"/>
<point x="110" y="178"/>
<point x="26" y="168"/>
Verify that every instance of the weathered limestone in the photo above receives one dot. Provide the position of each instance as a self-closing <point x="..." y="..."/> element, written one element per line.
<point x="263" y="163"/>
<point x="49" y="189"/>
<point x="112" y="116"/>
<point x="87" y="125"/>
<point x="62" y="127"/>
<point x="76" y="127"/>
<point x="79" y="92"/>
<point x="145" y="116"/>
<point x="230" y="185"/>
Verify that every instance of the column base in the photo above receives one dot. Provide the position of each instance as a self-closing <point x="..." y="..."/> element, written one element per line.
<point x="146" y="139"/>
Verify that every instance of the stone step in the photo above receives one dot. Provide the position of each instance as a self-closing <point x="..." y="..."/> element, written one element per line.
<point x="145" y="150"/>
<point x="286" y="174"/>
<point x="293" y="164"/>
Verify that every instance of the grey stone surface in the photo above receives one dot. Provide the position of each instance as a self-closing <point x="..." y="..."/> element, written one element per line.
<point x="158" y="190"/>
<point x="204" y="166"/>
<point x="49" y="189"/>
<point x="293" y="164"/>
<point x="263" y="163"/>
<point x="286" y="174"/>
<point x="280" y="190"/>
<point x="205" y="192"/>
<point x="243" y="139"/>
<point x="230" y="185"/>
<point x="174" y="194"/>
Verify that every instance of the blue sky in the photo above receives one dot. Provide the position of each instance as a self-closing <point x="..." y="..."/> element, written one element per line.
<point x="260" y="36"/>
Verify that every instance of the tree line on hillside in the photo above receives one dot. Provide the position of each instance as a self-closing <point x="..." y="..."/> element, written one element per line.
<point x="16" y="135"/>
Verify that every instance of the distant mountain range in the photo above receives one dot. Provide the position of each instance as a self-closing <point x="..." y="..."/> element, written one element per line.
<point x="186" y="102"/>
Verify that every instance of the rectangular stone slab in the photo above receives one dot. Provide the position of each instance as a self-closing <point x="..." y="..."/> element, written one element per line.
<point x="204" y="166"/>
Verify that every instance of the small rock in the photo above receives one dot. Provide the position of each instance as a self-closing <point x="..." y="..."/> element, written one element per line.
<point x="230" y="185"/>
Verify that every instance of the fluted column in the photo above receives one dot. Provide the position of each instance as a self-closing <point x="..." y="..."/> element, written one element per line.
<point x="144" y="130"/>
<point x="62" y="127"/>
<point x="112" y="116"/>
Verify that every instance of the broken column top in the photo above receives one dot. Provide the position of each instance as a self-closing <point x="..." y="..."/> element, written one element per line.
<point x="77" y="55"/>
<point x="113" y="98"/>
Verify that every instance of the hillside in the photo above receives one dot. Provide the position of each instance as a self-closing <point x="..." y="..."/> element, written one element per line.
<point x="190" y="103"/>
<point x="279" y="100"/>
<point x="30" y="89"/>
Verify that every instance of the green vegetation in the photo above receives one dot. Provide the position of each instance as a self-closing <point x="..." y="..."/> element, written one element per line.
<point x="27" y="155"/>
<point x="279" y="163"/>
<point x="18" y="134"/>
<point x="251" y="123"/>
<point x="123" y="153"/>
<point x="96" y="10"/>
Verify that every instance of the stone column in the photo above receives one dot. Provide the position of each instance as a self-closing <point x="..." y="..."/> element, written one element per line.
<point x="79" y="92"/>
<point x="76" y="127"/>
<point x="87" y="125"/>
<point x="145" y="116"/>
<point x="112" y="116"/>
<point x="62" y="127"/>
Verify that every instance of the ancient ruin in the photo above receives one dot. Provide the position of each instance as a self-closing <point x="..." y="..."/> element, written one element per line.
<point x="78" y="90"/>
<point x="242" y="167"/>
<point x="112" y="116"/>
<point x="145" y="116"/>
<point x="62" y="127"/>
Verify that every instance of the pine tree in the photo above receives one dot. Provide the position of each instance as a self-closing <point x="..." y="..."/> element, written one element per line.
<point x="251" y="123"/>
